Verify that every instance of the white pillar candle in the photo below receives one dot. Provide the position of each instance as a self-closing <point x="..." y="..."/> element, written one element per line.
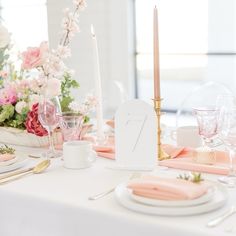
<point x="98" y="88"/>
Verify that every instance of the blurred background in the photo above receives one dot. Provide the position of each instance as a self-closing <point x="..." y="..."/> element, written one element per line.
<point x="197" y="44"/>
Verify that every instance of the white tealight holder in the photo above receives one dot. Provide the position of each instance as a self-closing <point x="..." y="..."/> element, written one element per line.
<point x="135" y="136"/>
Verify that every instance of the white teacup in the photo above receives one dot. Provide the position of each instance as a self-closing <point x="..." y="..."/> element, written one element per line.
<point x="78" y="154"/>
<point x="187" y="136"/>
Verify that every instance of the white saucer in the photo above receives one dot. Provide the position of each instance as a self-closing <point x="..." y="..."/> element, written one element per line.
<point x="218" y="200"/>
<point x="20" y="162"/>
<point x="181" y="203"/>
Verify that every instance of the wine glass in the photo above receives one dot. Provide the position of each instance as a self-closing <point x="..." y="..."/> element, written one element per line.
<point x="224" y="102"/>
<point x="228" y="136"/>
<point x="49" y="113"/>
<point x="207" y="119"/>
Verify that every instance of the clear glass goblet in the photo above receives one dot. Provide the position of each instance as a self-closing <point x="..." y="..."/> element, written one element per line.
<point x="71" y="125"/>
<point x="207" y="119"/>
<point x="224" y="102"/>
<point x="49" y="113"/>
<point x="228" y="135"/>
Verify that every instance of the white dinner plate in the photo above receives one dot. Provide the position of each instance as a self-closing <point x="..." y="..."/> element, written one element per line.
<point x="178" y="203"/>
<point x="20" y="162"/>
<point x="218" y="200"/>
<point x="9" y="162"/>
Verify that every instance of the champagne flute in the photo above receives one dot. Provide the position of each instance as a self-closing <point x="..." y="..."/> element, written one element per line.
<point x="228" y="136"/>
<point x="49" y="113"/>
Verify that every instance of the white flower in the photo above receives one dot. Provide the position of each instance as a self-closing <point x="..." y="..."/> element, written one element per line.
<point x="80" y="4"/>
<point x="78" y="108"/>
<point x="36" y="84"/>
<point x="84" y="108"/>
<point x="4" y="37"/>
<point x="33" y="99"/>
<point x="63" y="51"/>
<point x="19" y="106"/>
<point x="74" y="106"/>
<point x="53" y="88"/>
<point x="91" y="100"/>
<point x="71" y="72"/>
<point x="66" y="11"/>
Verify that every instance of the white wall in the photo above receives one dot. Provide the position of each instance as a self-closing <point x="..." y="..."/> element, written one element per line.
<point x="112" y="20"/>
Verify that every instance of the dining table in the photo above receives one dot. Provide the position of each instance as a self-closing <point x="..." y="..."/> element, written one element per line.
<point x="56" y="203"/>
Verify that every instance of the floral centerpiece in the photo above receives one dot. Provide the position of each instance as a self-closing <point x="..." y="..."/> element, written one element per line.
<point x="42" y="72"/>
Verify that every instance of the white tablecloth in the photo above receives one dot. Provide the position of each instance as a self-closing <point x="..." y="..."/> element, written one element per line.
<point x="56" y="203"/>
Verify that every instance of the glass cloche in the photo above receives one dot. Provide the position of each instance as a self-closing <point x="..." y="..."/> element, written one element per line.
<point x="202" y="96"/>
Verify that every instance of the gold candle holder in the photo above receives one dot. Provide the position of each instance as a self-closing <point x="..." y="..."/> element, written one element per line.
<point x="161" y="155"/>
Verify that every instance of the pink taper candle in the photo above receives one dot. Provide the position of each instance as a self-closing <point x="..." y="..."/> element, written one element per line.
<point x="157" y="93"/>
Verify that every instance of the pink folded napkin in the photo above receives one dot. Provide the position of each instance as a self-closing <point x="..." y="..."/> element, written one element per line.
<point x="167" y="189"/>
<point x="111" y="123"/>
<point x="107" y="150"/>
<point x="183" y="160"/>
<point x="6" y="157"/>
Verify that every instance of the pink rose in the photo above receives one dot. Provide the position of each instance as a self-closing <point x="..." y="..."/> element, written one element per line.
<point x="34" y="57"/>
<point x="33" y="124"/>
<point x="8" y="95"/>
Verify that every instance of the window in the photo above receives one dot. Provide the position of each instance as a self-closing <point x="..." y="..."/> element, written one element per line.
<point x="26" y="20"/>
<point x="183" y="42"/>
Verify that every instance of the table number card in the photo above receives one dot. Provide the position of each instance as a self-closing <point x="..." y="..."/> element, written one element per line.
<point x="136" y="136"/>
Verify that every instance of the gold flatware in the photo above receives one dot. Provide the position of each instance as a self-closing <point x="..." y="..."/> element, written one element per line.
<point x="5" y="176"/>
<point x="40" y="167"/>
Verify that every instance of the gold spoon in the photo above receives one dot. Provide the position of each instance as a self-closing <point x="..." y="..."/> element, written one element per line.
<point x="40" y="167"/>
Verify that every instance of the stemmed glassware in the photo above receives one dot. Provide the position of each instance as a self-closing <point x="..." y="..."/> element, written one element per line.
<point x="207" y="119"/>
<point x="49" y="113"/>
<point x="227" y="133"/>
<point x="71" y="125"/>
<point x="228" y="136"/>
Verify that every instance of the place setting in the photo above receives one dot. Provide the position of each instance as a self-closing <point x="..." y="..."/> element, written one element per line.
<point x="10" y="160"/>
<point x="162" y="196"/>
<point x="156" y="148"/>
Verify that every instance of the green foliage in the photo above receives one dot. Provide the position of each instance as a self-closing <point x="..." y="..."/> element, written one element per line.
<point x="196" y="177"/>
<point x="10" y="118"/>
<point x="65" y="101"/>
<point x="18" y="120"/>
<point x="6" y="150"/>
<point x="193" y="177"/>
<point x="3" y="56"/>
<point x="6" y="112"/>
<point x="86" y="119"/>
<point x="184" y="176"/>
<point x="67" y="85"/>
